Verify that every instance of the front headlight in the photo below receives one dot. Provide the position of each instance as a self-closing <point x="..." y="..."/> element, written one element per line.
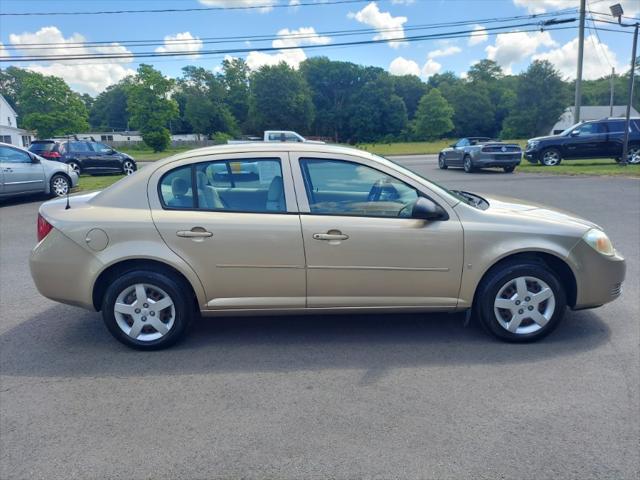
<point x="533" y="144"/>
<point x="599" y="241"/>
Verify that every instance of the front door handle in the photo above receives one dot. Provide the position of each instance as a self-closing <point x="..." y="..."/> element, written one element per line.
<point x="330" y="236"/>
<point x="195" y="232"/>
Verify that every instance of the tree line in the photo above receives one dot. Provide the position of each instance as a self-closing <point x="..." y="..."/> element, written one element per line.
<point x="342" y="101"/>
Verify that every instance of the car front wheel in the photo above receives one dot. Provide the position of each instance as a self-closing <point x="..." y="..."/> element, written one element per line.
<point x="468" y="164"/>
<point x="509" y="169"/>
<point x="59" y="185"/>
<point x="442" y="163"/>
<point x="551" y="157"/>
<point x="146" y="310"/>
<point x="521" y="301"/>
<point x="128" y="167"/>
<point x="634" y="154"/>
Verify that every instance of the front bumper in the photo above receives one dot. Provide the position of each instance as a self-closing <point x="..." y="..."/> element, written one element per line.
<point x="532" y="155"/>
<point x="598" y="278"/>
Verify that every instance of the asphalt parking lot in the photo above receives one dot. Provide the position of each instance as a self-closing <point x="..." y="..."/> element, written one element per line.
<point x="410" y="396"/>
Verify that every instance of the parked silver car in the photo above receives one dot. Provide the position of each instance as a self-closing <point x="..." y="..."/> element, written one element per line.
<point x="480" y="152"/>
<point x="23" y="172"/>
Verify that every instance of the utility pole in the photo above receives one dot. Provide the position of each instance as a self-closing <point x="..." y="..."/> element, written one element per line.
<point x="578" y="100"/>
<point x="613" y="78"/>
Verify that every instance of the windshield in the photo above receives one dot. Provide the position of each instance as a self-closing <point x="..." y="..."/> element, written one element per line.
<point x="42" y="146"/>
<point x="570" y="129"/>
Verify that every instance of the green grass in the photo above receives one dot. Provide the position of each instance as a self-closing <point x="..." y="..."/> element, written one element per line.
<point x="89" y="183"/>
<point x="149" y="155"/>
<point x="602" y="166"/>
<point x="415" y="148"/>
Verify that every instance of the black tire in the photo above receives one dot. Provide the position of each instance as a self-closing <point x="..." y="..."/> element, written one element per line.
<point x="174" y="289"/>
<point x="468" y="164"/>
<point x="551" y="157"/>
<point x="75" y="166"/>
<point x="128" y="167"/>
<point x="509" y="169"/>
<point x="442" y="163"/>
<point x="494" y="281"/>
<point x="59" y="185"/>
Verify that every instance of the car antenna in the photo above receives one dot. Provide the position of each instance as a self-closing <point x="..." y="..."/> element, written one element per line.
<point x="70" y="181"/>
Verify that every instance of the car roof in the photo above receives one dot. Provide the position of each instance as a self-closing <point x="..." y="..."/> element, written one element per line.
<point x="263" y="147"/>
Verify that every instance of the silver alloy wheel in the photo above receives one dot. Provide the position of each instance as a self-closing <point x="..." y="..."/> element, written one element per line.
<point x="144" y="312"/>
<point x="60" y="186"/>
<point x="127" y="167"/>
<point x="441" y="163"/>
<point x="551" y="158"/>
<point x="75" y="167"/>
<point x="634" y="155"/>
<point x="524" y="305"/>
<point x="468" y="166"/>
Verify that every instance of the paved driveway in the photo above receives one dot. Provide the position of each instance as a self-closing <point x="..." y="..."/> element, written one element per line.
<point x="410" y="396"/>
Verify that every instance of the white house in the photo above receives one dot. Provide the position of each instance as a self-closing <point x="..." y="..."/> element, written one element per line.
<point x="589" y="113"/>
<point x="9" y="131"/>
<point x="132" y="136"/>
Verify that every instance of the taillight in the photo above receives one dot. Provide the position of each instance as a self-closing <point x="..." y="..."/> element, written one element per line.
<point x="51" y="155"/>
<point x="44" y="227"/>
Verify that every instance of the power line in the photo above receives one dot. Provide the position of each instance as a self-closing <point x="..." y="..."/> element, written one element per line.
<point x="132" y="55"/>
<point x="271" y="37"/>
<point x="180" y="10"/>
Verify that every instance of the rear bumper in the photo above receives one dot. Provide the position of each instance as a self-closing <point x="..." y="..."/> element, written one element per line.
<point x="58" y="278"/>
<point x="599" y="278"/>
<point x="497" y="160"/>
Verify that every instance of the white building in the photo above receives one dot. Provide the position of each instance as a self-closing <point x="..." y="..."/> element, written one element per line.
<point x="589" y="113"/>
<point x="9" y="131"/>
<point x="132" y="136"/>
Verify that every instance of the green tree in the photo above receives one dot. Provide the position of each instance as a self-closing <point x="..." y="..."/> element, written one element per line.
<point x="434" y="116"/>
<point x="474" y="110"/>
<point x="411" y="89"/>
<point x="45" y="104"/>
<point x="204" y="107"/>
<point x="485" y="71"/>
<point x="235" y="79"/>
<point x="109" y="109"/>
<point x="280" y="99"/>
<point x="150" y="107"/>
<point x="541" y="98"/>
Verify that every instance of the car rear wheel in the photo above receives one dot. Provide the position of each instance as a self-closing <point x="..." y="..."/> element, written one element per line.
<point x="59" y="185"/>
<point x="128" y="167"/>
<point x="442" y="163"/>
<point x="551" y="157"/>
<point x="521" y="301"/>
<point x="75" y="166"/>
<point x="146" y="310"/>
<point x="468" y="164"/>
<point x="634" y="154"/>
<point x="509" y="169"/>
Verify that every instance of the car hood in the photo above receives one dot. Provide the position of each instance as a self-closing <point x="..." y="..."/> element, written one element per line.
<point x="536" y="211"/>
<point x="547" y="137"/>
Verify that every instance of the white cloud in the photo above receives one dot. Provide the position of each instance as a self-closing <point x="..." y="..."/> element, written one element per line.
<point x="516" y="47"/>
<point x="181" y="42"/>
<point x="444" y="52"/>
<point x="402" y="66"/>
<point x="631" y="7"/>
<point x="86" y="76"/>
<point x="267" y="4"/>
<point x="387" y="25"/>
<point x="479" y="35"/>
<point x="595" y="64"/>
<point x="403" y="2"/>
<point x="430" y="68"/>
<point x="288" y="39"/>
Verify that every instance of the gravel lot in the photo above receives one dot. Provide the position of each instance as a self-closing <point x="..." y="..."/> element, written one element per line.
<point x="411" y="396"/>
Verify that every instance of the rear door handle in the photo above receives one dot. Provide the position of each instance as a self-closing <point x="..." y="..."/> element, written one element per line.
<point x="330" y="236"/>
<point x="195" y="232"/>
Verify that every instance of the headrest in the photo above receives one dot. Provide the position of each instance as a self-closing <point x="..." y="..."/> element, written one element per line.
<point x="179" y="187"/>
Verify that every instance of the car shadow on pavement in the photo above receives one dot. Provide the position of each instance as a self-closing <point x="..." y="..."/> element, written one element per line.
<point x="66" y="342"/>
<point x="23" y="199"/>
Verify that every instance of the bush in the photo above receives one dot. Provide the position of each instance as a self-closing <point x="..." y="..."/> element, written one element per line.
<point x="220" y="138"/>
<point x="158" y="140"/>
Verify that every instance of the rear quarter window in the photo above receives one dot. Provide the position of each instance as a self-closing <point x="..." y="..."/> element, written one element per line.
<point x="175" y="188"/>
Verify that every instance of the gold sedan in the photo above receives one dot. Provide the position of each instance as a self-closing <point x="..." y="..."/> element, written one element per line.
<point x="295" y="228"/>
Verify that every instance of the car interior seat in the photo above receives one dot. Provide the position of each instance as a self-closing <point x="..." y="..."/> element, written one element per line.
<point x="179" y="189"/>
<point x="275" y="195"/>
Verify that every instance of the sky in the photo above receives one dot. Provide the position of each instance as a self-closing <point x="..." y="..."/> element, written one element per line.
<point x="306" y="31"/>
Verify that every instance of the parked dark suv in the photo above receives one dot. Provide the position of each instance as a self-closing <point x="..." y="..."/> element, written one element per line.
<point x="85" y="156"/>
<point x="594" y="139"/>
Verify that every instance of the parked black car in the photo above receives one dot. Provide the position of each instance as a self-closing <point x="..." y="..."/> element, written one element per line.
<point x="594" y="139"/>
<point x="472" y="153"/>
<point x="85" y="156"/>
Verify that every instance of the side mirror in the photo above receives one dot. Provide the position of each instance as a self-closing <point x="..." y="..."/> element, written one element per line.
<point x="34" y="158"/>
<point x="575" y="133"/>
<point x="425" y="209"/>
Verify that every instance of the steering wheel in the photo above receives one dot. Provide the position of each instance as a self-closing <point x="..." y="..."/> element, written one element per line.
<point x="380" y="188"/>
